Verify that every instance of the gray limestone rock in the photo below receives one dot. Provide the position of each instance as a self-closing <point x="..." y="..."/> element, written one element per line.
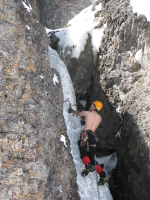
<point x="56" y="14"/>
<point x="132" y="96"/>
<point x="34" y="162"/>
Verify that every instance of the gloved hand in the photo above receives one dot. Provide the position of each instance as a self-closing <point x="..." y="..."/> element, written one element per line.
<point x="82" y="120"/>
<point x="70" y="109"/>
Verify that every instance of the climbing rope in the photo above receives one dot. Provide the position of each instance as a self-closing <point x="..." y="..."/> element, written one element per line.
<point x="97" y="180"/>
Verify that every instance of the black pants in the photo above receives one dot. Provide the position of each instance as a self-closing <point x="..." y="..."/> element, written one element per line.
<point x="92" y="150"/>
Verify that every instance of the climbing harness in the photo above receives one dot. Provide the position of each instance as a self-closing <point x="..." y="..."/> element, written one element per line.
<point x="84" y="139"/>
<point x="84" y="136"/>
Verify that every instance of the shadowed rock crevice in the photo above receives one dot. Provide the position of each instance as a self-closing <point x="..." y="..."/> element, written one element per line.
<point x="132" y="167"/>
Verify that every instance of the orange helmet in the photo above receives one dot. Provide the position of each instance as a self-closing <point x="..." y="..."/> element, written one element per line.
<point x="98" y="105"/>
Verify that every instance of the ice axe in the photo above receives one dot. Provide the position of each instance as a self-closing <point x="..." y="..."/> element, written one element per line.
<point x="67" y="100"/>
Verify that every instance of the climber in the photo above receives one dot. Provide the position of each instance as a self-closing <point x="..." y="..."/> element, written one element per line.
<point x="87" y="142"/>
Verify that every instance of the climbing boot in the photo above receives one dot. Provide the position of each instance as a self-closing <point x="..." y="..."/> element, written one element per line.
<point x="89" y="168"/>
<point x="103" y="178"/>
<point x="102" y="166"/>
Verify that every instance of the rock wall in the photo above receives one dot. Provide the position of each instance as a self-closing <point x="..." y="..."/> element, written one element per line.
<point x="31" y="120"/>
<point x="34" y="163"/>
<point x="125" y="80"/>
<point x="55" y="14"/>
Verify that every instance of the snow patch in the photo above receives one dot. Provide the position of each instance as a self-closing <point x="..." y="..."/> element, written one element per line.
<point x="29" y="8"/>
<point x="55" y="79"/>
<point x="28" y="27"/>
<point x="60" y="188"/>
<point x="63" y="139"/>
<point x="118" y="109"/>
<point x="47" y="30"/>
<point x="76" y="34"/>
<point x="83" y="103"/>
<point x="41" y="76"/>
<point x="138" y="55"/>
<point x="118" y="134"/>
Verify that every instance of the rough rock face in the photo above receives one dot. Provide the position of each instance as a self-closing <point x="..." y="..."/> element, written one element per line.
<point x="125" y="81"/>
<point x="34" y="163"/>
<point x="31" y="164"/>
<point x="55" y="14"/>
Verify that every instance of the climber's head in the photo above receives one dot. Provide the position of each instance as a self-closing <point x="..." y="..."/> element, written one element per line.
<point x="98" y="105"/>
